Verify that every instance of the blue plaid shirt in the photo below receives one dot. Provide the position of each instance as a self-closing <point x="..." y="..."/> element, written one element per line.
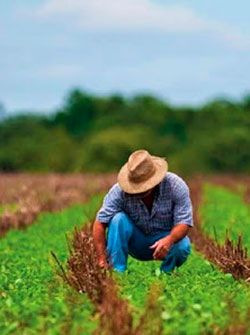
<point x="171" y="206"/>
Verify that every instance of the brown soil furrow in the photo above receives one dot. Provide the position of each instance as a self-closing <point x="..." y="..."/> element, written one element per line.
<point x="34" y="194"/>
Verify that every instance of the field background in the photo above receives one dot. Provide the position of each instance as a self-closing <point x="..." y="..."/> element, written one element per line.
<point x="51" y="283"/>
<point x="83" y="84"/>
<point x="55" y="170"/>
<point x="92" y="133"/>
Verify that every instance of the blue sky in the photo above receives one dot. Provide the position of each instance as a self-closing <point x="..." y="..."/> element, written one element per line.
<point x="185" y="52"/>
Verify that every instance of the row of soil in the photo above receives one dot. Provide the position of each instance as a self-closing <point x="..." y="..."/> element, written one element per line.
<point x="24" y="196"/>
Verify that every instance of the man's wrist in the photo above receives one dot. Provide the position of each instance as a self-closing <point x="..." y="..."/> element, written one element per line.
<point x="170" y="239"/>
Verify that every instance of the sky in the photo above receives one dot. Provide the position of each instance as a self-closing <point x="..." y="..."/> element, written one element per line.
<point x="185" y="52"/>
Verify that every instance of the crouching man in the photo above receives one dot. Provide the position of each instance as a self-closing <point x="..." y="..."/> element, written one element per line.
<point x="148" y="213"/>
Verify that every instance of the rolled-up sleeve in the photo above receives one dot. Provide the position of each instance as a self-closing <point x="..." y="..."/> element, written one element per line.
<point x="183" y="210"/>
<point x="112" y="204"/>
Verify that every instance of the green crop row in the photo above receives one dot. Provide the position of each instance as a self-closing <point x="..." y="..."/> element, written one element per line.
<point x="196" y="299"/>
<point x="33" y="300"/>
<point x="224" y="210"/>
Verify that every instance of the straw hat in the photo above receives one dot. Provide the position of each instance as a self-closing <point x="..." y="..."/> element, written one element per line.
<point x="142" y="172"/>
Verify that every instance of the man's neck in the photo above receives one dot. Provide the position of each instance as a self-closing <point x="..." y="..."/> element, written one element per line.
<point x="149" y="199"/>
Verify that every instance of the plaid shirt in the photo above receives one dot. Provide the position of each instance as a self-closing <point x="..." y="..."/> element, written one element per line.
<point x="171" y="206"/>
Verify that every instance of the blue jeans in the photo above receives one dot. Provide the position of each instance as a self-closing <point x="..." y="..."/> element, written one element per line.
<point x="124" y="239"/>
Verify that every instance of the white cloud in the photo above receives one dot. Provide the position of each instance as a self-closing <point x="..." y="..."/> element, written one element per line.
<point x="138" y="15"/>
<point x="123" y="15"/>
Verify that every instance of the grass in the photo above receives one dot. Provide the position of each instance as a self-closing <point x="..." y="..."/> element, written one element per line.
<point x="33" y="299"/>
<point x="224" y="210"/>
<point x="198" y="297"/>
<point x="195" y="299"/>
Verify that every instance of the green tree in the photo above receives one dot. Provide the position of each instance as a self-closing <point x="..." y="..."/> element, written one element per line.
<point x="27" y="145"/>
<point x="230" y="151"/>
<point x="77" y="114"/>
<point x="109" y="149"/>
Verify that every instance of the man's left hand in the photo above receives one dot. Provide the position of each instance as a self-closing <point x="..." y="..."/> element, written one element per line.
<point x="162" y="247"/>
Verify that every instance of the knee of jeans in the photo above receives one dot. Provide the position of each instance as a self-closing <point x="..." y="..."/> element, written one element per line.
<point x="121" y="220"/>
<point x="120" y="216"/>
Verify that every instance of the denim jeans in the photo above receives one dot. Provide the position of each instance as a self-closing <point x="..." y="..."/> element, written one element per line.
<point x="124" y="239"/>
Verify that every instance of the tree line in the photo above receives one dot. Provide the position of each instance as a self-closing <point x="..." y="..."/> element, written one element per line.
<point x="97" y="134"/>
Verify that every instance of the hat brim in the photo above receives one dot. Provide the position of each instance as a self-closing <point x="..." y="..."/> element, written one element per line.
<point x="127" y="186"/>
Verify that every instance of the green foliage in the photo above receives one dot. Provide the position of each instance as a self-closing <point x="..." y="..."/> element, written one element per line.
<point x="190" y="160"/>
<point x="33" y="300"/>
<point x="27" y="144"/>
<point x="109" y="148"/>
<point x="195" y="298"/>
<point x="224" y="210"/>
<point x="2" y="111"/>
<point x="188" y="307"/>
<point x="77" y="114"/>
<point x="230" y="150"/>
<point x="213" y="137"/>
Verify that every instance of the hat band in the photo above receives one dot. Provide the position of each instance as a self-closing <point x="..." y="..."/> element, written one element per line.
<point x="135" y="178"/>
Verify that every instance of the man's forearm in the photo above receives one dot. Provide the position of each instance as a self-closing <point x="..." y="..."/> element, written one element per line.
<point x="179" y="231"/>
<point x="99" y="237"/>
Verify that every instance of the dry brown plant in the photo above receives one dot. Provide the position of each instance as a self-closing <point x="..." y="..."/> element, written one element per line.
<point x="115" y="316"/>
<point x="229" y="257"/>
<point x="84" y="273"/>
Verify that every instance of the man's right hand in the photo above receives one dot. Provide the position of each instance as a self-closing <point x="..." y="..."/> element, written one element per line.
<point x="102" y="262"/>
<point x="100" y="243"/>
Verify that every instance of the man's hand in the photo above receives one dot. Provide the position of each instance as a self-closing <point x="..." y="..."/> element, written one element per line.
<point x="102" y="262"/>
<point x="162" y="247"/>
<point x="100" y="243"/>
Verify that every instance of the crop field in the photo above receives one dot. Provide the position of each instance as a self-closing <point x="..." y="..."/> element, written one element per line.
<point x="50" y="282"/>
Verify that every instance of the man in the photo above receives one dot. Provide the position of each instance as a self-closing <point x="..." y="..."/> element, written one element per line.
<point x="148" y="214"/>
